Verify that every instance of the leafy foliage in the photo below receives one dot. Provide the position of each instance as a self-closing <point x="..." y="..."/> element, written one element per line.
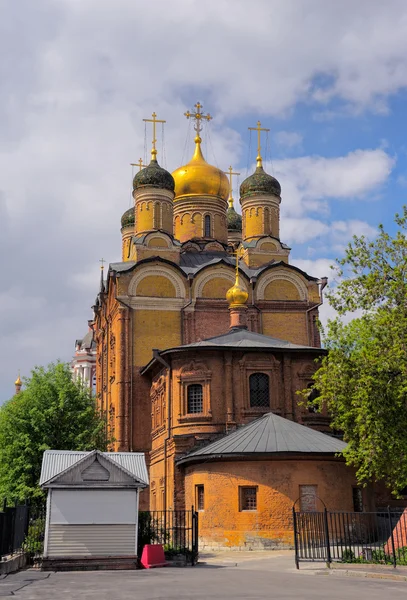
<point x="52" y="412"/>
<point x="363" y="379"/>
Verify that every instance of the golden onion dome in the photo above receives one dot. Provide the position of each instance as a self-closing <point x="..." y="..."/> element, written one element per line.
<point x="237" y="295"/>
<point x="18" y="381"/>
<point x="198" y="178"/>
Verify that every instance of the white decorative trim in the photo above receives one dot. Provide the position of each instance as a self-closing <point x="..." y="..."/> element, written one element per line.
<point x="281" y="275"/>
<point x="153" y="303"/>
<point x="158" y="234"/>
<point x="153" y="194"/>
<point x="158" y="271"/>
<point x="213" y="273"/>
<point x="268" y="240"/>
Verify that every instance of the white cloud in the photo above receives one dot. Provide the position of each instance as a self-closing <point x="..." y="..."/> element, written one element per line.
<point x="288" y="139"/>
<point x="302" y="230"/>
<point x="321" y="267"/>
<point x="307" y="182"/>
<point x="72" y="100"/>
<point x="333" y="237"/>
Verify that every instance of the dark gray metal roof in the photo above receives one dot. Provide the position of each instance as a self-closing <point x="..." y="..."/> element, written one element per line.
<point x="270" y="434"/>
<point x="192" y="262"/>
<point x="242" y="338"/>
<point x="88" y="342"/>
<point x="122" y="266"/>
<point x="253" y="242"/>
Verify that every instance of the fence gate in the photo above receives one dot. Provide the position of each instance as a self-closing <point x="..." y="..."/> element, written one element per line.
<point x="351" y="537"/>
<point x="311" y="537"/>
<point x="13" y="527"/>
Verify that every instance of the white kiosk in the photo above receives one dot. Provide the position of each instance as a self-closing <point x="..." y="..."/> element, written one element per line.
<point x="92" y="508"/>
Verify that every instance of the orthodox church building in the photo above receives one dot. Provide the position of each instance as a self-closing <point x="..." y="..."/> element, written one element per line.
<point x="204" y="333"/>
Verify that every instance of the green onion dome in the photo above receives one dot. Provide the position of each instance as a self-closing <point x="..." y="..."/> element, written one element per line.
<point x="154" y="176"/>
<point x="234" y="219"/>
<point x="128" y="218"/>
<point x="260" y="183"/>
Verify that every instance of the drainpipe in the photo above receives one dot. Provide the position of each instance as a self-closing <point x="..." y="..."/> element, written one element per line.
<point x="167" y="365"/>
<point x="323" y="282"/>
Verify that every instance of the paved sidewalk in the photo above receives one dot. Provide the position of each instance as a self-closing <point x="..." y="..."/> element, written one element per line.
<point x="283" y="561"/>
<point x="229" y="575"/>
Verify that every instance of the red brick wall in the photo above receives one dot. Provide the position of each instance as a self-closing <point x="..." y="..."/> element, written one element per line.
<point x="221" y="524"/>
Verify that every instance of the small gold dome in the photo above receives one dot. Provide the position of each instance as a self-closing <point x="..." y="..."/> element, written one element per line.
<point x="198" y="178"/>
<point x="237" y="295"/>
<point x="18" y="381"/>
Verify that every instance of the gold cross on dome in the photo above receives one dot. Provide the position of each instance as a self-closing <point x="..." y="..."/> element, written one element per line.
<point x="102" y="261"/>
<point x="138" y="164"/>
<point x="197" y="116"/>
<point x="154" y="121"/>
<point x="230" y="199"/>
<point x="259" y="128"/>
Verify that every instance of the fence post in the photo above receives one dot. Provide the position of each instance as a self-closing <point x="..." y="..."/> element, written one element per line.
<point x="328" y="546"/>
<point x="297" y="562"/>
<point x="393" y="548"/>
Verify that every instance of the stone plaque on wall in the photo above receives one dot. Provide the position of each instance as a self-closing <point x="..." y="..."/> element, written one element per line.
<point x="308" y="498"/>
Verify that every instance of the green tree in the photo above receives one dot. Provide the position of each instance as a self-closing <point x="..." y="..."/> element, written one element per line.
<point x="363" y="378"/>
<point x="52" y="412"/>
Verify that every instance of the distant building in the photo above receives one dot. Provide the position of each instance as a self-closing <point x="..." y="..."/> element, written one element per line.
<point x="18" y="384"/>
<point x="84" y="362"/>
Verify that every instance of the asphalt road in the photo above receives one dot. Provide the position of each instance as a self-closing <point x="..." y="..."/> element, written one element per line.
<point x="256" y="578"/>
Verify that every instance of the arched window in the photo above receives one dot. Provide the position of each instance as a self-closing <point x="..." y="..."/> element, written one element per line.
<point x="313" y="395"/>
<point x="195" y="398"/>
<point x="259" y="390"/>
<point x="266" y="220"/>
<point x="207" y="226"/>
<point x="157" y="216"/>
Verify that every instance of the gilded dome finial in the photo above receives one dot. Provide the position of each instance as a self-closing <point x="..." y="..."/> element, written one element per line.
<point x="154" y="121"/>
<point x="139" y="164"/>
<point x="153" y="175"/>
<point x="237" y="295"/>
<point x="197" y="177"/>
<point x="197" y="116"/>
<point x="259" y="128"/>
<point x="230" y="199"/>
<point x="18" y="381"/>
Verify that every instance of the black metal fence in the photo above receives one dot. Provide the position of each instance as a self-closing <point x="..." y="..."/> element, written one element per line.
<point x="176" y="530"/>
<point x="351" y="537"/>
<point x="22" y="529"/>
<point x="18" y="528"/>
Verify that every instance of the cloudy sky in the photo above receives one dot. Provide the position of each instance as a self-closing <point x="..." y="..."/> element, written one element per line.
<point x="77" y="77"/>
